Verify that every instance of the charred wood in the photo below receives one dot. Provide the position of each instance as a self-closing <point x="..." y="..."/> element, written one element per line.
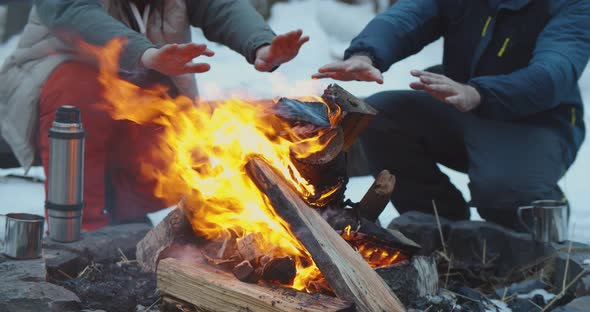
<point x="377" y="197"/>
<point x="345" y="270"/>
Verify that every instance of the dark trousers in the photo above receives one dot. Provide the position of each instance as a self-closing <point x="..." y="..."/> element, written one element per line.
<point x="509" y="164"/>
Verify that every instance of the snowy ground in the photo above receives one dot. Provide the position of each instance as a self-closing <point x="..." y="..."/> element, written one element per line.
<point x="330" y="34"/>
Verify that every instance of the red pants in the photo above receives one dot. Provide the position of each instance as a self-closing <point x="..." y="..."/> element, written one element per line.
<point x="112" y="149"/>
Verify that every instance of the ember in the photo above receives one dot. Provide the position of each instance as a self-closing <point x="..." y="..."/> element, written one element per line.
<point x="376" y="253"/>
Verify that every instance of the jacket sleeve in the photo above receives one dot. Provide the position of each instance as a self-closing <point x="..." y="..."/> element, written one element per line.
<point x="560" y="55"/>
<point x="402" y="30"/>
<point x="234" y="23"/>
<point x="89" y="20"/>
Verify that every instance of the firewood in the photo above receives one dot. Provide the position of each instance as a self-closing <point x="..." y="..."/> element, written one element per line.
<point x="249" y="247"/>
<point x="208" y="289"/>
<point x="377" y="197"/>
<point x="280" y="269"/>
<point x="174" y="229"/>
<point x="345" y="270"/>
<point x="356" y="113"/>
<point x="333" y="140"/>
<point x="245" y="272"/>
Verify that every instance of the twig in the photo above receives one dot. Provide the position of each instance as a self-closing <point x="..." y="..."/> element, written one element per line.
<point x="448" y="272"/>
<point x="153" y="304"/>
<point x="567" y="260"/>
<point x="483" y="258"/>
<point x="564" y="290"/>
<point x="442" y="239"/>
<point x="64" y="274"/>
<point x="462" y="296"/>
<point x="504" y="294"/>
<point x="83" y="271"/>
<point x="123" y="256"/>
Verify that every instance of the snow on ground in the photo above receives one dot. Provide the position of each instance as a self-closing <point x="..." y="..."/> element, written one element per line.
<point x="330" y="35"/>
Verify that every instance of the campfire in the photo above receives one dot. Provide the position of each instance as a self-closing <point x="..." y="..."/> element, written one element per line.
<point x="254" y="179"/>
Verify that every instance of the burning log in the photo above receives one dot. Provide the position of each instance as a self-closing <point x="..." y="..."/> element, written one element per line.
<point x="377" y="197"/>
<point x="175" y="230"/>
<point x="208" y="289"/>
<point x="245" y="272"/>
<point x="280" y="269"/>
<point x="249" y="247"/>
<point x="345" y="270"/>
<point x="356" y="113"/>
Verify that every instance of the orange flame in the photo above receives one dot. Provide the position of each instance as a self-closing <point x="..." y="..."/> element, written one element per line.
<point x="373" y="251"/>
<point x="203" y="149"/>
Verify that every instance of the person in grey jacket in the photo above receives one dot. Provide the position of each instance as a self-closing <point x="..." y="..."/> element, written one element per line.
<point x="44" y="72"/>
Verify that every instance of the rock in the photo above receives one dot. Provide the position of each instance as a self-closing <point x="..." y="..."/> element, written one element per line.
<point x="422" y="229"/>
<point x="579" y="253"/>
<point x="37" y="296"/>
<point x="484" y="244"/>
<point x="22" y="270"/>
<point x="506" y="251"/>
<point x="577" y="305"/>
<point x="523" y="287"/>
<point x="413" y="280"/>
<point x="522" y="305"/>
<point x="98" y="246"/>
<point x="583" y="287"/>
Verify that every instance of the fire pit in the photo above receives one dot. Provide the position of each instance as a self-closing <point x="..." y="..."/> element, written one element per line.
<point x="283" y="240"/>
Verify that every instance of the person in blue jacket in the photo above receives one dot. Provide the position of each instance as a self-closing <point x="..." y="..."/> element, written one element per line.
<point x="505" y="106"/>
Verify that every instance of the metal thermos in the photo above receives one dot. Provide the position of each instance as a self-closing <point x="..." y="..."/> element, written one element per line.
<point x="66" y="175"/>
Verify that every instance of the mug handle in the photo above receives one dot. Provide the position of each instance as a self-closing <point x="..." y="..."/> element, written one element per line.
<point x="519" y="213"/>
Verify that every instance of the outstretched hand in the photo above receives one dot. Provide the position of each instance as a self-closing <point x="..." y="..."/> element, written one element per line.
<point x="282" y="49"/>
<point x="463" y="96"/>
<point x="176" y="59"/>
<point x="357" y="67"/>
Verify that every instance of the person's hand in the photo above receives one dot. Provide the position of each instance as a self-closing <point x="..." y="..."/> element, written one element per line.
<point x="464" y="97"/>
<point x="282" y="49"/>
<point x="357" y="67"/>
<point x="176" y="59"/>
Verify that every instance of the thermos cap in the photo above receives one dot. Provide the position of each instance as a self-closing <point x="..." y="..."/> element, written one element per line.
<point x="67" y="114"/>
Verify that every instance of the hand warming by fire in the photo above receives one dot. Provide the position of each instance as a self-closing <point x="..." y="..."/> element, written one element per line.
<point x="177" y="59"/>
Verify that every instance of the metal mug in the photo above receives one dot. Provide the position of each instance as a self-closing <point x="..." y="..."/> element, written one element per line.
<point x="549" y="220"/>
<point x="23" y="236"/>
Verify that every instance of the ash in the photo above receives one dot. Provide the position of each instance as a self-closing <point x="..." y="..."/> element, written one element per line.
<point x="114" y="287"/>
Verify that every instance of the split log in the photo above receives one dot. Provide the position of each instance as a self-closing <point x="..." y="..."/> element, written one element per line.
<point x="208" y="289"/>
<point x="377" y="197"/>
<point x="356" y="113"/>
<point x="173" y="230"/>
<point x="413" y="280"/>
<point x="281" y="269"/>
<point x="245" y="272"/>
<point x="345" y="270"/>
<point x="249" y="247"/>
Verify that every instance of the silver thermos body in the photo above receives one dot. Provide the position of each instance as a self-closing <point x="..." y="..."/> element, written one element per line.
<point x="65" y="198"/>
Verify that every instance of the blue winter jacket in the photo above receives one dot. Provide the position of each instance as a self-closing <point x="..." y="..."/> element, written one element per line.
<point x="524" y="56"/>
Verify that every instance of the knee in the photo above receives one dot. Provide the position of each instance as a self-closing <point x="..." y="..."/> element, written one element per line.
<point x="392" y="102"/>
<point x="74" y="83"/>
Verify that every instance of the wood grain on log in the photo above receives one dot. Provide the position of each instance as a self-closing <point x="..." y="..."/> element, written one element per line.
<point x="214" y="290"/>
<point x="345" y="270"/>
<point x="174" y="229"/>
<point x="377" y="197"/>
